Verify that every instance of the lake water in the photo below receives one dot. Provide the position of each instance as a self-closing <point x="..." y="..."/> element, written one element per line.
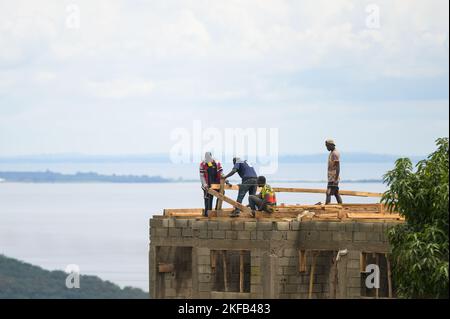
<point x="103" y="228"/>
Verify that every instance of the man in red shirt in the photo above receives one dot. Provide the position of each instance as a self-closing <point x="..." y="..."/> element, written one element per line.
<point x="210" y="173"/>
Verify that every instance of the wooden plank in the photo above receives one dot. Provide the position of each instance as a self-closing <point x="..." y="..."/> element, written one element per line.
<point x="389" y="275"/>
<point x="362" y="262"/>
<point x="306" y="190"/>
<point x="169" y="211"/>
<point x="221" y="191"/>
<point x="241" y="271"/>
<point x="228" y="200"/>
<point x="302" y="261"/>
<point x="224" y="264"/>
<point x="311" y="274"/>
<point x="373" y="215"/>
<point x="164" y="267"/>
<point x="213" y="260"/>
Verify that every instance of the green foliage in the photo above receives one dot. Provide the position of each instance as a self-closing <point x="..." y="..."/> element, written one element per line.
<point x="20" y="280"/>
<point x="420" y="246"/>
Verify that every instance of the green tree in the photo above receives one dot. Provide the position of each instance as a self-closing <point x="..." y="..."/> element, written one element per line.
<point x="420" y="245"/>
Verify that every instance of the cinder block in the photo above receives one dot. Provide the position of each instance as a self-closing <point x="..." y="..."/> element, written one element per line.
<point x="290" y="252"/>
<point x="333" y="226"/>
<point x="174" y="232"/>
<point x="354" y="282"/>
<point x="264" y="225"/>
<point x="203" y="251"/>
<point x="237" y="225"/>
<point x="172" y="222"/>
<point x="365" y="227"/>
<point x="243" y="234"/>
<point x="349" y="226"/>
<point x="204" y="260"/>
<point x="165" y="222"/>
<point x="206" y="278"/>
<point x="186" y="232"/>
<point x="325" y="236"/>
<point x="255" y="280"/>
<point x="253" y="235"/>
<point x="289" y="270"/>
<point x="199" y="224"/>
<point x="312" y="235"/>
<point x="203" y="234"/>
<point x="373" y="236"/>
<point x="231" y="234"/>
<point x="160" y="232"/>
<point x="257" y="289"/>
<point x="204" y="287"/>
<point x="224" y="225"/>
<point x="255" y="271"/>
<point x="352" y="264"/>
<point x="250" y="226"/>
<point x="293" y="235"/>
<point x="295" y="225"/>
<point x="218" y="234"/>
<point x="291" y="288"/>
<point x="359" y="236"/>
<point x="282" y="225"/>
<point x="337" y="236"/>
<point x="322" y="225"/>
<point x="156" y="223"/>
<point x="283" y="261"/>
<point x="180" y="223"/>
<point x="279" y="235"/>
<point x="259" y="235"/>
<point x="267" y="235"/>
<point x="213" y="225"/>
<point x="204" y="269"/>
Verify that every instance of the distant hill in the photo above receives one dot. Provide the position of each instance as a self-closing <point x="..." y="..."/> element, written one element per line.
<point x="350" y="157"/>
<point x="19" y="280"/>
<point x="52" y="177"/>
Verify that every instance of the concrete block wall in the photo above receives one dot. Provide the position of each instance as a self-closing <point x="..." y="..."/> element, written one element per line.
<point x="274" y="248"/>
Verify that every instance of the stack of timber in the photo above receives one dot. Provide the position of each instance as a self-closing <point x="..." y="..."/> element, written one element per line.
<point x="372" y="212"/>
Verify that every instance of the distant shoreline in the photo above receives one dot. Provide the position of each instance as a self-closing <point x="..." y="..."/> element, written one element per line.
<point x="49" y="177"/>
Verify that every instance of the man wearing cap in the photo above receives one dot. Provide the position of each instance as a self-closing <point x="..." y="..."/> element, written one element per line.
<point x="249" y="181"/>
<point x="334" y="168"/>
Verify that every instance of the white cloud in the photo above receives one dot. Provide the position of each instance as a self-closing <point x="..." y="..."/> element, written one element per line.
<point x="242" y="58"/>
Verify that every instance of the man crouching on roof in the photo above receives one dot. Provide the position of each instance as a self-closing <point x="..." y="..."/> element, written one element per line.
<point x="265" y="201"/>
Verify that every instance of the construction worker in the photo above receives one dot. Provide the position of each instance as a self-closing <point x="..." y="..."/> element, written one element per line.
<point x="249" y="181"/>
<point x="334" y="168"/>
<point x="210" y="173"/>
<point x="265" y="201"/>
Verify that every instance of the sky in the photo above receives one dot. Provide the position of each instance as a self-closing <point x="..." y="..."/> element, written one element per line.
<point x="120" y="77"/>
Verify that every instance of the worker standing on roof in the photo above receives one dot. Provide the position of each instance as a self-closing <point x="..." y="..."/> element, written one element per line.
<point x="334" y="168"/>
<point x="265" y="201"/>
<point x="249" y="181"/>
<point x="210" y="173"/>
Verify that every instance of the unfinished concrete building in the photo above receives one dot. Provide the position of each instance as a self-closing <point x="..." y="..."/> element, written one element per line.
<point x="301" y="251"/>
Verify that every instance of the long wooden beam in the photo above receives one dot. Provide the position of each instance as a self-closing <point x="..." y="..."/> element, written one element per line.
<point x="305" y="190"/>
<point x="228" y="200"/>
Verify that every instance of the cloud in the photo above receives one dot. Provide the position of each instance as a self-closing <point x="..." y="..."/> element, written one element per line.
<point x="121" y="88"/>
<point x="157" y="64"/>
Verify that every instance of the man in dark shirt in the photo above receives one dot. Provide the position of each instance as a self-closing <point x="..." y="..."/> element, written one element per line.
<point x="249" y="181"/>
